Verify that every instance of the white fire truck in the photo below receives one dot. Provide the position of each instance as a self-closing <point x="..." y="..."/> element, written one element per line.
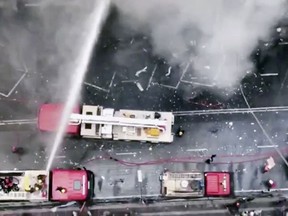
<point x="106" y="123"/>
<point x="197" y="184"/>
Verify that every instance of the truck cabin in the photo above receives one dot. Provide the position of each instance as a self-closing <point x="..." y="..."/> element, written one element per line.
<point x="49" y="116"/>
<point x="71" y="185"/>
<point x="219" y="184"/>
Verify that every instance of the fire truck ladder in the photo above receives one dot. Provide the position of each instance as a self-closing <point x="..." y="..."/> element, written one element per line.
<point x="117" y="121"/>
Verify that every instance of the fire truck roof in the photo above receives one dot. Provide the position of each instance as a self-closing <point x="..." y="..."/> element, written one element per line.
<point x="218" y="184"/>
<point x="74" y="183"/>
<point x="49" y="116"/>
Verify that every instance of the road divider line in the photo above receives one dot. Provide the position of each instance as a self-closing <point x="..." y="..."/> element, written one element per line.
<point x="126" y="153"/>
<point x="268" y="146"/>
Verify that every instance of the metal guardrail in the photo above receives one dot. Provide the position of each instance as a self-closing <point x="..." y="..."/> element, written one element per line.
<point x="231" y="111"/>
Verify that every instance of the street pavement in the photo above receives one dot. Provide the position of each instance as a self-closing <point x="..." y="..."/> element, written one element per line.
<point x="194" y="207"/>
<point x="112" y="82"/>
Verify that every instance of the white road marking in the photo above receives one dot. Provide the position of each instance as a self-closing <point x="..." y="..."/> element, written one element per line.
<point x="126" y="153"/>
<point x="15" y="86"/>
<point x="268" y="146"/>
<point x="33" y="4"/>
<point x="269" y="74"/>
<point x="96" y="87"/>
<point x="231" y="111"/>
<point x="257" y="191"/>
<point x="283" y="43"/>
<point x="112" y="80"/>
<point x="151" y="77"/>
<point x="196" y="150"/>
<point x="197" y="83"/>
<point x="18" y="122"/>
<point x="110" y="85"/>
<point x="60" y="156"/>
<point x="183" y="74"/>
<point x="166" y="86"/>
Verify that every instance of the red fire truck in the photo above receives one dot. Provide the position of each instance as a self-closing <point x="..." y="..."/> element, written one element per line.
<point x="105" y="123"/>
<point x="197" y="184"/>
<point x="40" y="185"/>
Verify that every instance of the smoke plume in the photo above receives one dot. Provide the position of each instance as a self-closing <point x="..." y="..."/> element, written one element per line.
<point x="216" y="36"/>
<point x="43" y="37"/>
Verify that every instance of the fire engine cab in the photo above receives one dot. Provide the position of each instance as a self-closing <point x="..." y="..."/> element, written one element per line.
<point x="106" y="123"/>
<point x="197" y="184"/>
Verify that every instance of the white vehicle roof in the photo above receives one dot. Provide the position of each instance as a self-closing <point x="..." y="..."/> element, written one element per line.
<point x="25" y="182"/>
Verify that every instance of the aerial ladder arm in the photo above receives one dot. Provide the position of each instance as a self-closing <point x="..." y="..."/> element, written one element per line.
<point x="117" y="121"/>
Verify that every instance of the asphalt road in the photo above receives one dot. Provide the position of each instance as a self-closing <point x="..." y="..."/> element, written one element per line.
<point x="234" y="138"/>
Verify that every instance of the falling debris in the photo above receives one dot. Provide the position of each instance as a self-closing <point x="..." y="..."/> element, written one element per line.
<point x="139" y="86"/>
<point x="169" y="72"/>
<point x="230" y="124"/>
<point x="141" y="71"/>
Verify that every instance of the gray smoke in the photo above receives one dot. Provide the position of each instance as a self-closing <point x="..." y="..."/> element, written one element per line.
<point x="44" y="37"/>
<point x="216" y="36"/>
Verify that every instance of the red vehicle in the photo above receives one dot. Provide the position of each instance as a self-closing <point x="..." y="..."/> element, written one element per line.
<point x="197" y="184"/>
<point x="49" y="116"/>
<point x="218" y="184"/>
<point x="40" y="185"/>
<point x="97" y="122"/>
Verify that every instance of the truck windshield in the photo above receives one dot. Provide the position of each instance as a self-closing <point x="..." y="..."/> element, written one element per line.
<point x="91" y="184"/>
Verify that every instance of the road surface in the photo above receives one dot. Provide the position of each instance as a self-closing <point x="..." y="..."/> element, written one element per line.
<point x="235" y="138"/>
<point x="204" y="207"/>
